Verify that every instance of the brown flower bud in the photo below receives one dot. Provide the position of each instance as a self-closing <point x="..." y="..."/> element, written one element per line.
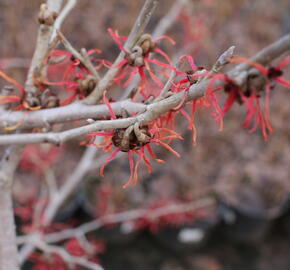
<point x="46" y="16"/>
<point x="146" y="43"/>
<point x="87" y="84"/>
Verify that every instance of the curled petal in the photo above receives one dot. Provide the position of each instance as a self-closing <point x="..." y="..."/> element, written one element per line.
<point x="153" y="76"/>
<point x="155" y="130"/>
<point x="171" y="40"/>
<point x="256" y="65"/>
<point x="9" y="99"/>
<point x="229" y="102"/>
<point x="17" y="125"/>
<point x="166" y="146"/>
<point x="283" y="82"/>
<point x="106" y="101"/>
<point x="131" y="164"/>
<point x="92" y="51"/>
<point x="12" y="81"/>
<point x="157" y="50"/>
<point x="190" y="60"/>
<point x="135" y="177"/>
<point x="182" y="101"/>
<point x="261" y="119"/>
<point x="285" y="62"/>
<point x="266" y="109"/>
<point x="108" y="160"/>
<point x="147" y="162"/>
<point x="100" y="134"/>
<point x="116" y="38"/>
<point x="194" y="131"/>
<point x="69" y="99"/>
<point x="26" y="106"/>
<point x="151" y="153"/>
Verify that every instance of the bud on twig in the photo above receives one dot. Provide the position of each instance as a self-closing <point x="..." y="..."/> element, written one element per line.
<point x="46" y="16"/>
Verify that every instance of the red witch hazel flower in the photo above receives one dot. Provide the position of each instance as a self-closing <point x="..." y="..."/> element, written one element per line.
<point x="137" y="60"/>
<point x="134" y="140"/>
<point x="75" y="78"/>
<point x="183" y="84"/>
<point x="249" y="94"/>
<point x="154" y="224"/>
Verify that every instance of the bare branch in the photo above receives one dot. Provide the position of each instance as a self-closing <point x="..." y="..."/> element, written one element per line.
<point x="71" y="183"/>
<point x="42" y="44"/>
<point x="152" y="111"/>
<point x="166" y="22"/>
<point x="153" y="214"/>
<point x="81" y="56"/>
<point x="162" y="27"/>
<point x="60" y="196"/>
<point x="268" y="54"/>
<point x="72" y="112"/>
<point x="168" y="84"/>
<point x="50" y="182"/>
<point x="223" y="59"/>
<point x="70" y="4"/>
<point x="8" y="248"/>
<point x="68" y="258"/>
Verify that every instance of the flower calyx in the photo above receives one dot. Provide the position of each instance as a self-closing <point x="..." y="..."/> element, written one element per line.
<point x="87" y="84"/>
<point x="44" y="100"/>
<point x="46" y="16"/>
<point x="132" y="137"/>
<point x="143" y="46"/>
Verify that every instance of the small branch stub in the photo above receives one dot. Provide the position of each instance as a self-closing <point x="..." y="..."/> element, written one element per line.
<point x="46" y="16"/>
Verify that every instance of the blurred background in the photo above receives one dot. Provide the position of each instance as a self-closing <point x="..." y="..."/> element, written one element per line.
<point x="249" y="227"/>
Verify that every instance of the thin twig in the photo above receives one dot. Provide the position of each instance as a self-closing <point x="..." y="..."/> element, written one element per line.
<point x="223" y="60"/>
<point x="8" y="248"/>
<point x="42" y="46"/>
<point x="167" y="21"/>
<point x="152" y="112"/>
<point x="68" y="258"/>
<point x="50" y="182"/>
<point x="59" y="197"/>
<point x="268" y="54"/>
<point x="74" y="112"/>
<point x="81" y="56"/>
<point x="125" y="216"/>
<point x="70" y="4"/>
<point x="162" y="27"/>
<point x="71" y="112"/>
<point x="168" y="84"/>
<point x="137" y="30"/>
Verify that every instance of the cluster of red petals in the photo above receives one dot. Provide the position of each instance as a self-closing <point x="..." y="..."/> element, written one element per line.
<point x="64" y="71"/>
<point x="162" y="129"/>
<point x="154" y="224"/>
<point x="145" y="71"/>
<point x="73" y="247"/>
<point x="256" y="116"/>
<point x="71" y="70"/>
<point x="17" y="85"/>
<point x="160" y="136"/>
<point x="43" y="262"/>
